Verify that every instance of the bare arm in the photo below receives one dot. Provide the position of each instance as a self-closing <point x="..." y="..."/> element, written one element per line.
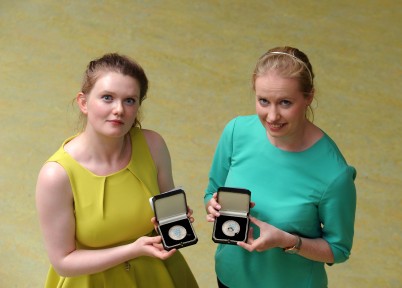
<point x="54" y="203"/>
<point x="161" y="156"/>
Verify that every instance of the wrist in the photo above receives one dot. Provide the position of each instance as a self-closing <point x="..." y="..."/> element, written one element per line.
<point x="133" y="250"/>
<point x="295" y="247"/>
<point x="289" y="240"/>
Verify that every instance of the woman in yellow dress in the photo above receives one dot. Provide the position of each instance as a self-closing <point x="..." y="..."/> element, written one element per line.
<point x="92" y="194"/>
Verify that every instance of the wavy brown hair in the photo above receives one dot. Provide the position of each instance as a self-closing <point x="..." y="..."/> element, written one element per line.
<point x="113" y="62"/>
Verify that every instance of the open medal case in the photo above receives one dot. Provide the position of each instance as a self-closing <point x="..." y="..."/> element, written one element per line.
<point x="174" y="226"/>
<point x="233" y="223"/>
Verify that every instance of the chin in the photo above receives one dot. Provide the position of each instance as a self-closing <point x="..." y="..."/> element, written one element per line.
<point x="117" y="134"/>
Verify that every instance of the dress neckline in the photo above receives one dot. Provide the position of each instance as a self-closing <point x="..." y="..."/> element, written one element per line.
<point x="91" y="172"/>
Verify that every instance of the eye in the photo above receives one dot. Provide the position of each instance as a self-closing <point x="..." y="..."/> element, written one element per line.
<point x="107" y="98"/>
<point x="130" y="101"/>
<point x="263" y="102"/>
<point x="285" y="103"/>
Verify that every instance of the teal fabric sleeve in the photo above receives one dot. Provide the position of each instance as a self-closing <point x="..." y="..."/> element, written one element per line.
<point x="221" y="161"/>
<point x="337" y="211"/>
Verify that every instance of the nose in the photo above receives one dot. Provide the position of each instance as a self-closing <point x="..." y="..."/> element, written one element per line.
<point x="118" y="108"/>
<point x="273" y="114"/>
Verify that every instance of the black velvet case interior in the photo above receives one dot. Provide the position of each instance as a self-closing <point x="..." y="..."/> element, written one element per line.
<point x="235" y="206"/>
<point x="220" y="237"/>
<point x="170" y="243"/>
<point x="170" y="209"/>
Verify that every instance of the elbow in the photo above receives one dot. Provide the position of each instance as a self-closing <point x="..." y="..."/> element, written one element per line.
<point x="62" y="269"/>
<point x="340" y="260"/>
<point x="341" y="249"/>
<point x="339" y="255"/>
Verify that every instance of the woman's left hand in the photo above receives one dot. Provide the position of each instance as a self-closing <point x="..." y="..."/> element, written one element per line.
<point x="153" y="220"/>
<point x="189" y="214"/>
<point x="270" y="237"/>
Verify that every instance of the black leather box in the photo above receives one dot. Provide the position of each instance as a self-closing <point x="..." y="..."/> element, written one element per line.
<point x="174" y="226"/>
<point x="233" y="223"/>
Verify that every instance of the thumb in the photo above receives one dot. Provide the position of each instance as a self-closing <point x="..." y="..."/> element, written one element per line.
<point x="256" y="221"/>
<point x="155" y="239"/>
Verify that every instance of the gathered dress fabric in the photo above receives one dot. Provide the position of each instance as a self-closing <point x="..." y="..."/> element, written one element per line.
<point x="309" y="193"/>
<point x="114" y="210"/>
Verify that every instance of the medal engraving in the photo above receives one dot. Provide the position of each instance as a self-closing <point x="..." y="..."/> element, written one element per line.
<point x="177" y="232"/>
<point x="230" y="228"/>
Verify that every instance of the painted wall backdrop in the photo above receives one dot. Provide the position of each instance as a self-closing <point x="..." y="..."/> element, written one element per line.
<point x="199" y="56"/>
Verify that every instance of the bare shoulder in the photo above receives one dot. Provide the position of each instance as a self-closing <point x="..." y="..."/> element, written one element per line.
<point x="158" y="148"/>
<point x="161" y="157"/>
<point x="53" y="181"/>
<point x="154" y="139"/>
<point x="52" y="171"/>
<point x="151" y="134"/>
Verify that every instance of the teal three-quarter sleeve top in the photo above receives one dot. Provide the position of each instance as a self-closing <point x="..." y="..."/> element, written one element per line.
<point x="310" y="193"/>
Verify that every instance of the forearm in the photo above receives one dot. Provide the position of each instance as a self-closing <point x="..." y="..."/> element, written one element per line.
<point x="270" y="237"/>
<point x="317" y="250"/>
<point x="81" y="262"/>
<point x="314" y="249"/>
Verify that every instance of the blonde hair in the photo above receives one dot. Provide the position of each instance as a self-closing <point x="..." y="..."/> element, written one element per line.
<point x="287" y="62"/>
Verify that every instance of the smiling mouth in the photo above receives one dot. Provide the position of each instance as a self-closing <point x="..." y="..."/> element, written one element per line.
<point x="275" y="125"/>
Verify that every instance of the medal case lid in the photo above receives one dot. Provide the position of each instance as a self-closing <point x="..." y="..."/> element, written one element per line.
<point x="170" y="206"/>
<point x="234" y="201"/>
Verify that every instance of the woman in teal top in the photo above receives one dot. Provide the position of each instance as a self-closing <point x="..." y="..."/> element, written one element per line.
<point x="302" y="189"/>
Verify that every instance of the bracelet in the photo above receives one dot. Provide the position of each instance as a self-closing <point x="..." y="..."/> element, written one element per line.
<point x="296" y="248"/>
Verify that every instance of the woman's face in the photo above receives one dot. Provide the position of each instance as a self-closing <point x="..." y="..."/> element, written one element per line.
<point x="281" y="107"/>
<point x="112" y="105"/>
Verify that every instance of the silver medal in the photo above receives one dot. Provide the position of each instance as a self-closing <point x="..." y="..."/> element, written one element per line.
<point x="230" y="228"/>
<point x="177" y="232"/>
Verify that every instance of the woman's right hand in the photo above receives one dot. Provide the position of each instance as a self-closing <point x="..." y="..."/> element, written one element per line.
<point x="152" y="247"/>
<point x="213" y="208"/>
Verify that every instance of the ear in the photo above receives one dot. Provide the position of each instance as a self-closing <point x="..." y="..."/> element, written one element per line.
<point x="310" y="98"/>
<point x="82" y="103"/>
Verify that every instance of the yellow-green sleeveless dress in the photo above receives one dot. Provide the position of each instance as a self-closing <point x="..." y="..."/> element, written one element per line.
<point x="113" y="210"/>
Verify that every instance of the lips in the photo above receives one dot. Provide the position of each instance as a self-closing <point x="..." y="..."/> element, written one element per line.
<point x="116" y="122"/>
<point x="275" y="126"/>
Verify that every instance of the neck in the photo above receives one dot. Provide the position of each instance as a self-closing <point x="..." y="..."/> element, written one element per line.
<point x="106" y="150"/>
<point x="303" y="139"/>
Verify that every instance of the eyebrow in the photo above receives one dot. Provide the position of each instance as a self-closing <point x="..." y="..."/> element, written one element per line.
<point x="113" y="93"/>
<point x="280" y="97"/>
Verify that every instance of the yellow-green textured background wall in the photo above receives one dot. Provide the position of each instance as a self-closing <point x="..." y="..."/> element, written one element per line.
<point x="199" y="56"/>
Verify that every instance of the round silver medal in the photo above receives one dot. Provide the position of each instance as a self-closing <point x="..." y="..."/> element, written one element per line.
<point x="177" y="232"/>
<point x="230" y="228"/>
